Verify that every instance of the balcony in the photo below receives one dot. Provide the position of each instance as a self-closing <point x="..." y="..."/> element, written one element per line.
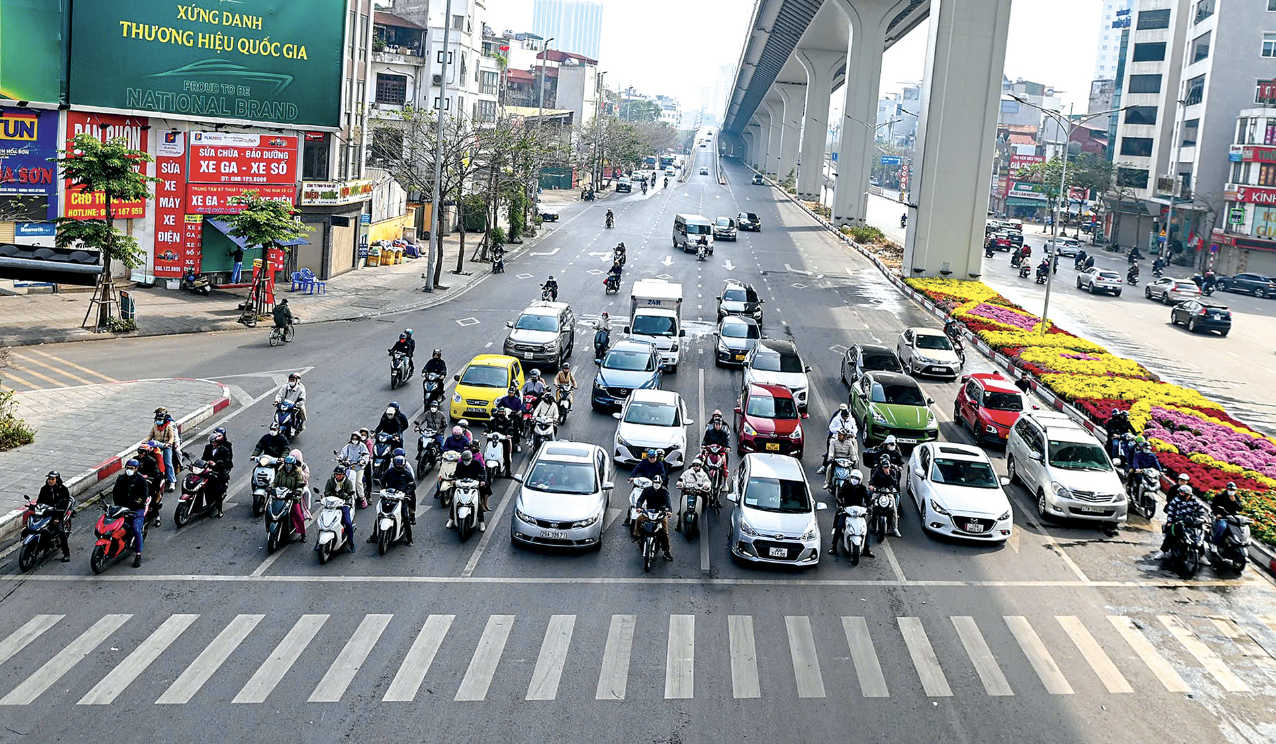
<point x="398" y="56"/>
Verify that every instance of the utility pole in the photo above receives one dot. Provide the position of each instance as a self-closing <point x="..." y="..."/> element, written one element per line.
<point x="436" y="203"/>
<point x="1164" y="251"/>
<point x="540" y="127"/>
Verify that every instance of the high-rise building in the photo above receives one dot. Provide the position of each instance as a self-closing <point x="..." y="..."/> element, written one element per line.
<point x="1115" y="18"/>
<point x="576" y="26"/>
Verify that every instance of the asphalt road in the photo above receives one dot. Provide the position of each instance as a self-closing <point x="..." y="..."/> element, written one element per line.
<point x="1063" y="634"/>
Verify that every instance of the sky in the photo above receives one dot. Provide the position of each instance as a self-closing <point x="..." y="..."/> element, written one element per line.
<point x="674" y="47"/>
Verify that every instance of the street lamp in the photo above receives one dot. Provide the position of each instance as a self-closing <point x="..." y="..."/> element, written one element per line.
<point x="1068" y="126"/>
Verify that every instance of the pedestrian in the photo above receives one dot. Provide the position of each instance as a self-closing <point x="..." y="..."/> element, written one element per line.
<point x="237" y="255"/>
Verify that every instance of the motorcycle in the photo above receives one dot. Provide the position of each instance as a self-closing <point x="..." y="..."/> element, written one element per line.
<point x="1132" y="278"/>
<point x="332" y="533"/>
<point x="1016" y="260"/>
<point x="199" y="488"/>
<point x="666" y="185"/>
<point x="542" y="432"/>
<point x="715" y="462"/>
<point x="1187" y="544"/>
<point x="200" y="283"/>
<point x="564" y="402"/>
<point x="382" y="452"/>
<point x="432" y="387"/>
<point x="883" y="506"/>
<point x="286" y="417"/>
<point x="263" y="481"/>
<point x="113" y="538"/>
<point x="38" y="532"/>
<point x="399" y="369"/>
<point x="1231" y="553"/>
<point x="611" y="222"/>
<point x="854" y="532"/>
<point x="649" y="531"/>
<point x="446" y="468"/>
<point x="548" y="294"/>
<point x="903" y="221"/>
<point x="498" y="260"/>
<point x="353" y="474"/>
<point x="959" y="347"/>
<point x="589" y="195"/>
<point x="504" y="423"/>
<point x="701" y="252"/>
<point x="494" y="457"/>
<point x="644" y="187"/>
<point x="1042" y="276"/>
<point x="1024" y="270"/>
<point x="611" y="284"/>
<point x="640" y="485"/>
<point x="1144" y="484"/>
<point x="390" y="519"/>
<point x="427" y="450"/>
<point x="465" y="507"/>
<point x="691" y="513"/>
<point x="1158" y="272"/>
<point x="602" y="339"/>
<point x="279" y="521"/>
<point x="618" y="255"/>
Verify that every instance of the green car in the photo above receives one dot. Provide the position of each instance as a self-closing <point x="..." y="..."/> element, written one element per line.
<point x="890" y="403"/>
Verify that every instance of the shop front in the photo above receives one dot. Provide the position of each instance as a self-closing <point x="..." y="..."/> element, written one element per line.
<point x="334" y="209"/>
<point x="1238" y="254"/>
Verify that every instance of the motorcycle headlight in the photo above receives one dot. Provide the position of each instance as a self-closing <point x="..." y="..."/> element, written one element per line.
<point x="456" y="398"/>
<point x="586" y="522"/>
<point x="749" y="430"/>
<point x="935" y="507"/>
<point x="524" y="517"/>
<point x="1060" y="490"/>
<point x="1004" y="517"/>
<point x="747" y="529"/>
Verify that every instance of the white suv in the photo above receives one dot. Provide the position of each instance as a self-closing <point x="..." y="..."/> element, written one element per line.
<point x="1065" y="468"/>
<point x="1100" y="280"/>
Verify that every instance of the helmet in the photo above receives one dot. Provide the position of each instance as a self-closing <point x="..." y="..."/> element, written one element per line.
<point x="354" y="436"/>
<point x="1139" y="440"/>
<point x="153" y="444"/>
<point x="290" y="460"/>
<point x="274" y="428"/>
<point x="536" y="373"/>
<point x="399" y="461"/>
<point x="363" y="432"/>
<point x="407" y="332"/>
<point x="56" y="474"/>
<point x="1115" y="411"/>
<point x="567" y="365"/>
<point x="437" y="353"/>
<point x="651" y="453"/>
<point x="395" y="405"/>
<point x="215" y="437"/>
<point x="890" y="440"/>
<point x="161" y="411"/>
<point x="1128" y="437"/>
<point x="551" y="276"/>
<point x="293" y="376"/>
<point x="398" y="452"/>
<point x="657" y="481"/>
<point x="457" y="431"/>
<point x="856" y="476"/>
<point x="843" y="408"/>
<point x="604" y="313"/>
<point x="403" y="337"/>
<point x="1184" y="477"/>
<point x="132" y="464"/>
<point x="843" y="432"/>
<point x="717" y="414"/>
<point x="339" y="471"/>
<point x="697" y="462"/>
<point x="467" y="456"/>
<point x="463" y="423"/>
<point x="434" y="405"/>
<point x="1231" y="485"/>
<point x="391" y="411"/>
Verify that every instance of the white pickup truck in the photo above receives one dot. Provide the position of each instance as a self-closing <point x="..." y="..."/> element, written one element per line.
<point x="655" y="316"/>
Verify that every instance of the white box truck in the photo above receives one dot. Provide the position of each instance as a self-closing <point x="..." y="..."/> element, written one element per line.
<point x="655" y="316"/>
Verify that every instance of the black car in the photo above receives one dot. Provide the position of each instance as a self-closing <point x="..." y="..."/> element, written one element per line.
<point x="1255" y="284"/>
<point x="739" y="298"/>
<point x="748" y="221"/>
<point x="1202" y="316"/>
<point x="862" y="358"/>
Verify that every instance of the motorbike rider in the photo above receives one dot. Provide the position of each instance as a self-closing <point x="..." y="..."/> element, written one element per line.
<point x="1158" y="264"/>
<point x="131" y="491"/>
<point x="151" y="467"/>
<point x="356" y="453"/>
<point x="164" y="431"/>
<point x="841" y="420"/>
<point x="219" y="455"/>
<point x="1079" y="260"/>
<point x="841" y="446"/>
<point x="282" y="314"/>
<point x="611" y="218"/>
<point x="551" y="284"/>
<point x="470" y="467"/>
<point x="613" y="274"/>
<point x="656" y="497"/>
<point x="1132" y="274"/>
<point x="457" y="442"/>
<point x="294" y="392"/>
<point x="340" y="486"/>
<point x="53" y="493"/>
<point x="514" y="403"/>
<point x="886" y="476"/>
<point x="399" y="476"/>
<point x="291" y="477"/>
<point x="1181" y="506"/>
<point x="855" y="493"/>
<point x="694" y="479"/>
<point x="618" y="254"/>
<point x="565" y="377"/>
<point x="1224" y="504"/>
<point x="436" y="420"/>
<point x="272" y="443"/>
<point x="407" y="345"/>
<point x="534" y="385"/>
<point x="903" y="220"/>
<point x="650" y="466"/>
<point x="546" y="407"/>
<point x="989" y="246"/>
<point x="1117" y="426"/>
<point x="1141" y="457"/>
<point x="1134" y="255"/>
<point x="1043" y="268"/>
<point x="716" y="433"/>
<point x="394" y="423"/>
<point x="888" y="448"/>
<point x="952" y="329"/>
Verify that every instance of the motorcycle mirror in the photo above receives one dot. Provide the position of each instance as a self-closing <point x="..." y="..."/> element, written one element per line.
<point x="335" y="452"/>
<point x="616" y="415"/>
<point x="808" y="368"/>
<point x="626" y="329"/>
<point x="599" y="362"/>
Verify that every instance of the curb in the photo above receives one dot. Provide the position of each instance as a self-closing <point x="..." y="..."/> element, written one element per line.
<point x="11" y="523"/>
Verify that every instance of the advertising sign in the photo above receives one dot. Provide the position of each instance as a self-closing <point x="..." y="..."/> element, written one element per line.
<point x="1027" y="190"/>
<point x="209" y="198"/>
<point x="86" y="206"/>
<point x="1253" y="195"/>
<point x="1264" y="223"/>
<point x="257" y="60"/>
<point x="245" y="158"/>
<point x="28" y="138"/>
<point x="334" y="193"/>
<point x="1018" y="162"/>
<point x="1236" y="215"/>
<point x="31" y="49"/>
<point x="170" y="201"/>
<point x="1256" y="154"/>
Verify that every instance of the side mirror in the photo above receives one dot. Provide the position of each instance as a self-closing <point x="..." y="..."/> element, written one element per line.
<point x="599" y="362"/>
<point x="1003" y="480"/>
<point x="930" y="401"/>
<point x="335" y="452"/>
<point x="689" y="422"/>
<point x="1118" y="462"/>
<point x="718" y="298"/>
<point x="738" y="409"/>
<point x="807" y="368"/>
<point x="625" y="329"/>
<point x="509" y="324"/>
<point x="456" y="377"/>
<point x="1036" y="456"/>
<point x="919" y="473"/>
<point x="821" y="506"/>
<point x="616" y="415"/>
<point x="607" y="485"/>
<point x="965" y="378"/>
<point x="733" y="497"/>
<point x="518" y="477"/>
<point x="682" y="332"/>
<point x="761" y="302"/>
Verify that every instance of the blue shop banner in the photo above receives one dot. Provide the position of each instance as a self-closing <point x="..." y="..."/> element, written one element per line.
<point x="28" y="138"/>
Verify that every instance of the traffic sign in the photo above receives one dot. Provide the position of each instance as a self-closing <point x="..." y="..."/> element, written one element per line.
<point x="891" y="160"/>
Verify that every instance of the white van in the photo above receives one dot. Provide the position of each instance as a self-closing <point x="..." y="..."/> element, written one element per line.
<point x="688" y="229"/>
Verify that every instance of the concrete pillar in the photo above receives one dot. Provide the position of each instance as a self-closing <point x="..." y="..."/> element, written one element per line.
<point x="757" y="141"/>
<point x="868" y="20"/>
<point x="965" y="56"/>
<point x="793" y="96"/>
<point x="774" y="135"/>
<point x="748" y="139"/>
<point x="820" y="68"/>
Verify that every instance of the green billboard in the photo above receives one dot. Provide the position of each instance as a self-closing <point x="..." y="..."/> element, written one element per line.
<point x="258" y="60"/>
<point x="31" y="50"/>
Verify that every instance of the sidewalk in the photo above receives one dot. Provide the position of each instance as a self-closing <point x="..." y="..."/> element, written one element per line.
<point x="86" y="432"/>
<point x="366" y="292"/>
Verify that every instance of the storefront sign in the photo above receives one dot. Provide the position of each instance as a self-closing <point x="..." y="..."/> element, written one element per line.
<point x="1235" y="153"/>
<point x="92" y="206"/>
<point x="249" y="158"/>
<point x="1027" y="190"/>
<point x="1250" y="194"/>
<point x="28" y="138"/>
<point x="170" y="211"/>
<point x="1258" y="154"/>
<point x="334" y="193"/>
<point x="210" y="198"/>
<point x="1236" y="215"/>
<point x="193" y="241"/>
<point x="1264" y="223"/>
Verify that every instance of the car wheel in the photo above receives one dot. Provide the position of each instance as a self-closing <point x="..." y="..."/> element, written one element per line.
<point x="1191" y="325"/>
<point x="1042" y="508"/>
<point x="1010" y="468"/>
<point x="957" y="419"/>
<point x="1147" y="292"/>
<point x="1224" y="333"/>
<point x="1173" y="320"/>
<point x="1116" y="294"/>
<point x="1259" y="293"/>
<point x="1078" y="282"/>
<point x="1090" y="287"/>
<point x="1165" y="299"/>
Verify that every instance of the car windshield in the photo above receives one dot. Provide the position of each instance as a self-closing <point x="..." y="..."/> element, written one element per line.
<point x="477" y="375"/>
<point x="751" y="216"/>
<point x="741" y="330"/>
<point x="929" y="341"/>
<point x="968" y="473"/>
<point x="654" y="325"/>
<point x="766" y="406"/>
<point x="652" y="414"/>
<point x="774" y="495"/>
<point x="537" y="323"/>
<point x="778" y="362"/>
<point x="630" y="361"/>
<point x="723" y="222"/>
<point x="562" y="477"/>
<point x="1003" y="401"/>
<point x="1078" y="456"/>
<point x="898" y="394"/>
<point x="882" y="362"/>
<point x="739" y="295"/>
<point x="698" y="229"/>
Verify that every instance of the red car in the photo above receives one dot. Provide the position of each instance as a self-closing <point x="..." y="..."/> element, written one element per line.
<point x="989" y="404"/>
<point x="767" y="421"/>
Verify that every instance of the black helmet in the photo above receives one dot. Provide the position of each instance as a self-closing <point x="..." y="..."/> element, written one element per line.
<point x="407" y="332"/>
<point x="53" y="474"/>
<point x="438" y="353"/>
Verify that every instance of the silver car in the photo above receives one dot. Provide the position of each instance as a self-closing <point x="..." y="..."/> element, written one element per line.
<point x="774" y="517"/>
<point x="736" y="338"/>
<point x="563" y="500"/>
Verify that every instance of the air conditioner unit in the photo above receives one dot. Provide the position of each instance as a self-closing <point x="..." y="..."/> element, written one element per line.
<point x="438" y="79"/>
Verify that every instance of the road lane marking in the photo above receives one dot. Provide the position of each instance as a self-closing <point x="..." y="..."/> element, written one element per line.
<point x="407" y="681"/>
<point x="494" y="519"/>
<point x="128" y="670"/>
<point x="867" y="668"/>
<point x="613" y="677"/>
<point x="57" y="370"/>
<point x="553" y="655"/>
<point x="1042" y="662"/>
<point x="209" y="660"/>
<point x="53" y="670"/>
<point x="1247" y="644"/>
<point x="806" y="662"/>
<point x="704" y="522"/>
<point x="680" y="658"/>
<point x="986" y="666"/>
<point x="33" y="373"/>
<point x="890" y="558"/>
<point x="924" y="659"/>
<point x="1094" y="654"/>
<point x="339" y="676"/>
<point x="71" y="364"/>
<point x="30" y="630"/>
<point x="273" y="669"/>
<point x="1155" y="662"/>
<point x="478" y="677"/>
<point x="1214" y="665"/>
<point x="744" y="657"/>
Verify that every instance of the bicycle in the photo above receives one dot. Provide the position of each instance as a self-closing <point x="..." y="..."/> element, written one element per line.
<point x="284" y="334"/>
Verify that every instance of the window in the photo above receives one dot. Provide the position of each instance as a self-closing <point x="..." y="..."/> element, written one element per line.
<point x="1195" y="90"/>
<point x="485" y="111"/>
<point x="1139" y="147"/>
<point x="462" y="65"/>
<point x="1149" y="19"/>
<point x="1271" y="4"/>
<point x="458" y="22"/>
<point x="1132" y="178"/>
<point x="446" y="105"/>
<point x="1149" y="52"/>
<point x="1140" y="115"/>
<point x="440" y="57"/>
<point x="488" y="82"/>
<point x="1201" y="47"/>
<point x="387" y="145"/>
<point x="1190" y="129"/>
<point x="1269" y="45"/>
<point x="1269" y="133"/>
<point x="392" y="89"/>
<point x="1236" y="173"/>
<point x="1204" y="9"/>
<point x="314" y="159"/>
<point x="1145" y="84"/>
<point x="1267" y="174"/>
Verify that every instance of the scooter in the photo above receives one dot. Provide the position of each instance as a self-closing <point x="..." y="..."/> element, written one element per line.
<point x="542" y="432"/>
<point x="611" y="222"/>
<point x="286" y="417"/>
<point x="1132" y="278"/>
<point x="602" y="339"/>
<point x="38" y="536"/>
<point x="691" y="513"/>
<point x="382" y="449"/>
<point x="702" y="252"/>
<point x="1015" y="259"/>
<point x="715" y="462"/>
<point x="1143" y="486"/>
<point x="332" y="533"/>
<point x="465" y="507"/>
<point x="564" y="402"/>
<point x="279" y="521"/>
<point x="611" y="284"/>
<point x="1187" y="545"/>
<point x="854" y="532"/>
<point x="498" y="260"/>
<point x="113" y="538"/>
<point x="390" y="519"/>
<point x="649" y="531"/>
<point x="263" y="481"/>
<point x="618" y="255"/>
<point x="959" y="347"/>
<point x="589" y="195"/>
<point x="640" y="485"/>
<point x="644" y="187"/>
<point x="432" y="388"/>
<point x="445" y="482"/>
<point x="1043" y="276"/>
<point x="883" y="506"/>
<point x="427" y="450"/>
<point x="1231" y="553"/>
<point x="549" y="294"/>
<point x="198" y="492"/>
<point x="1024" y="270"/>
<point x="494" y="457"/>
<point x="200" y="283"/>
<point x="353" y="472"/>
<point x="400" y="369"/>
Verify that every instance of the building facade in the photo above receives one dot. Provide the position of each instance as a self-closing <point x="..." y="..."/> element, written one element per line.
<point x="576" y="26"/>
<point x="1245" y="239"/>
<point x="1112" y="20"/>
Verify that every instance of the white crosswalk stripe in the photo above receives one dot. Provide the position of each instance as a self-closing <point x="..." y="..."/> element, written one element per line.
<point x="744" y="657"/>
<point x="1155" y="662"/>
<point x="30" y="630"/>
<point x="48" y="675"/>
<point x="1203" y="654"/>
<point x="1042" y="662"/>
<point x="1094" y="654"/>
<point x="986" y="666"/>
<point x="549" y="665"/>
<point x="341" y="673"/>
<point x="488" y="654"/>
<point x="120" y="677"/>
<point x="418" y="660"/>
<point x="1248" y="646"/>
<point x="680" y="658"/>
<point x="806" y="663"/>
<point x="867" y="668"/>
<point x="269" y="674"/>
<point x="613" y="678"/>
<point x="209" y="660"/>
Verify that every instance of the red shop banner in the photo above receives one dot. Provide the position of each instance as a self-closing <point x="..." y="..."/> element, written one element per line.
<point x="193" y="242"/>
<point x="209" y="198"/>
<point x="92" y="206"/>
<point x="231" y="157"/>
<point x="170" y="200"/>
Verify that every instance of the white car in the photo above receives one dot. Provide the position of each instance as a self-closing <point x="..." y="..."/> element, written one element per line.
<point x="926" y="351"/>
<point x="776" y="362"/>
<point x="958" y="493"/>
<point x="1100" y="280"/>
<point x="773" y="521"/>
<point x="1068" y="247"/>
<point x="562" y="502"/>
<point x="1065" y="469"/>
<point x="1171" y="291"/>
<point x="704" y="171"/>
<point x="652" y="419"/>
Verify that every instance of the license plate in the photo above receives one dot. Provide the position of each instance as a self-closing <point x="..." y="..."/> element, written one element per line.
<point x="739" y="357"/>
<point x="772" y="446"/>
<point x="554" y="534"/>
<point x="476" y="410"/>
<point x="905" y="440"/>
<point x="1093" y="509"/>
<point x="974" y="527"/>
<point x="527" y="355"/>
<point x="778" y="552"/>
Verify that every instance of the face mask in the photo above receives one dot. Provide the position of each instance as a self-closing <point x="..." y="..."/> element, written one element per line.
<point x="292" y="386"/>
<point x="129" y="471"/>
<point x="159" y="422"/>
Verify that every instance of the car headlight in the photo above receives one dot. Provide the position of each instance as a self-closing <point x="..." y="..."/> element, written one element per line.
<point x="552" y="345"/>
<point x="674" y="347"/>
<point x="935" y="507"/>
<point x="456" y="398"/>
<point x="621" y="441"/>
<point x="1060" y="490"/>
<point x="723" y="347"/>
<point x="931" y="421"/>
<point x="1004" y="517"/>
<point x="747" y="529"/>
<point x="989" y="428"/>
<point x="746" y="429"/>
<point x="757" y="312"/>
<point x="811" y="533"/>
<point x="878" y="418"/>
<point x="524" y="516"/>
<point x="585" y="522"/>
<point x="797" y="433"/>
<point x="598" y="384"/>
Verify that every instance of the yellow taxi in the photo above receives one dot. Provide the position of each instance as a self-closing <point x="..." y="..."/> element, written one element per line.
<point x="484" y="380"/>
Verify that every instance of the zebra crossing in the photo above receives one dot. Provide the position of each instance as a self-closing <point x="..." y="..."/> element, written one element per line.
<point x="1124" y="656"/>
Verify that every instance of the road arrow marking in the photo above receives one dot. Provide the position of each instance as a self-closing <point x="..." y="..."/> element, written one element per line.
<point x="786" y="268"/>
<point x="728" y="265"/>
<point x="668" y="261"/>
<point x="522" y="276"/>
<point x="544" y="254"/>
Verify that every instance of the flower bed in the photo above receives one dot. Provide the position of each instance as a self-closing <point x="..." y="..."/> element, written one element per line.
<point x="1192" y="434"/>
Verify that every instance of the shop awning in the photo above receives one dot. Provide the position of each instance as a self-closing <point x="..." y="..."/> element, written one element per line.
<point x="225" y="229"/>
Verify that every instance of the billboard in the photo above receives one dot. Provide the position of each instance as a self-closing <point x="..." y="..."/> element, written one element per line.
<point x="32" y="46"/>
<point x="86" y="206"/>
<point x="28" y="138"/>
<point x="228" y="157"/>
<point x="215" y="198"/>
<point x="257" y="60"/>
<point x="170" y="199"/>
<point x="334" y="193"/>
